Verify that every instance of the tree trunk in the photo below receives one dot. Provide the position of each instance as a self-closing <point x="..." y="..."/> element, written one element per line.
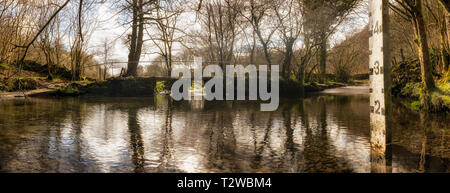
<point x="301" y="79"/>
<point x="140" y="38"/>
<point x="323" y="60"/>
<point x="447" y="21"/>
<point x="77" y="60"/>
<point x="252" y="52"/>
<point x="132" y="68"/>
<point x="424" y="56"/>
<point x="166" y="61"/>
<point x="288" y="58"/>
<point x="444" y="53"/>
<point x="446" y="5"/>
<point x="104" y="72"/>
<point x="137" y="36"/>
<point x="264" y="44"/>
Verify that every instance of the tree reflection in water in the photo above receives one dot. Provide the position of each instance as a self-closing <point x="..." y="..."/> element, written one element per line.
<point x="136" y="140"/>
<point x="325" y="133"/>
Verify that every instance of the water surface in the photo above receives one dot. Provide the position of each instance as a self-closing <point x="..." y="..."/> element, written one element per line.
<point x="322" y="133"/>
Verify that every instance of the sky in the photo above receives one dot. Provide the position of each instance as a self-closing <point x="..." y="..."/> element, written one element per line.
<point x="110" y="30"/>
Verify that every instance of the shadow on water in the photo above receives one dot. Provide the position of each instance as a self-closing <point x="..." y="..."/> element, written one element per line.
<point x="321" y="133"/>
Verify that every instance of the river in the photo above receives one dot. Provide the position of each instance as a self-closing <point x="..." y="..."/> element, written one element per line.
<point x="325" y="132"/>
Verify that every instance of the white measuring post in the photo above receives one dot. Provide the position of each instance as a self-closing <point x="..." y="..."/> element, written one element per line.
<point x="380" y="84"/>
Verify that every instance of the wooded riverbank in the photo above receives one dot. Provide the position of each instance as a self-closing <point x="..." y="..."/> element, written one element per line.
<point x="148" y="86"/>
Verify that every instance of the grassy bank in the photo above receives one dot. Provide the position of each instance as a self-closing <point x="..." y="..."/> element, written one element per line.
<point x="436" y="101"/>
<point x="407" y="84"/>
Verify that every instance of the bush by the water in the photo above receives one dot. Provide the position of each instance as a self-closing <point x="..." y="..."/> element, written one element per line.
<point x="342" y="74"/>
<point x="437" y="100"/>
<point x="161" y="87"/>
<point x="407" y="82"/>
<point x="405" y="74"/>
<point x="69" y="91"/>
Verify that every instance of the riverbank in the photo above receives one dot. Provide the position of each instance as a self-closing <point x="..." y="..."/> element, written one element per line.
<point x="407" y="85"/>
<point x="145" y="86"/>
<point x="39" y="86"/>
<point x="439" y="98"/>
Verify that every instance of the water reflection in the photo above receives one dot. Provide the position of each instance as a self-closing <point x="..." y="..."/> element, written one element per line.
<point x="324" y="133"/>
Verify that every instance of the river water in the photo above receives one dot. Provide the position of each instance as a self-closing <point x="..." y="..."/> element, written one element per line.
<point x="327" y="132"/>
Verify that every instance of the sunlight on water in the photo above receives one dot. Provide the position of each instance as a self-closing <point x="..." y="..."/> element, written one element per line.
<point x="323" y="133"/>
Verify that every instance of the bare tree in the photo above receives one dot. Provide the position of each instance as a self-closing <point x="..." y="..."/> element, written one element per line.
<point x="446" y="5"/>
<point x="221" y="18"/>
<point x="322" y="18"/>
<point x="141" y="11"/>
<point x="136" y="38"/>
<point x="164" y="29"/>
<point x="83" y="27"/>
<point x="49" y="40"/>
<point x="436" y="12"/>
<point x="289" y="21"/>
<point x="412" y="10"/>
<point x="256" y="13"/>
<point x="106" y="54"/>
<point x="27" y="46"/>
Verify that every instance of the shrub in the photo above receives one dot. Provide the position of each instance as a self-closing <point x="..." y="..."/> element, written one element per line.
<point x="160" y="87"/>
<point x="411" y="90"/>
<point x="342" y="74"/>
<point x="415" y="105"/>
<point x="3" y="87"/>
<point x="403" y="74"/>
<point x="69" y="91"/>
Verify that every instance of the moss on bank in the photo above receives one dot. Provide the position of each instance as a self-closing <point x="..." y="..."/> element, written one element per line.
<point x="407" y="83"/>
<point x="437" y="100"/>
<point x="68" y="91"/>
<point x="17" y="84"/>
<point x="115" y="87"/>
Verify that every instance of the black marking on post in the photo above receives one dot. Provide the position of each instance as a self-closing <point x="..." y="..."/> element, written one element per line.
<point x="371" y="90"/>
<point x="372" y="109"/>
<point x="371" y="71"/>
